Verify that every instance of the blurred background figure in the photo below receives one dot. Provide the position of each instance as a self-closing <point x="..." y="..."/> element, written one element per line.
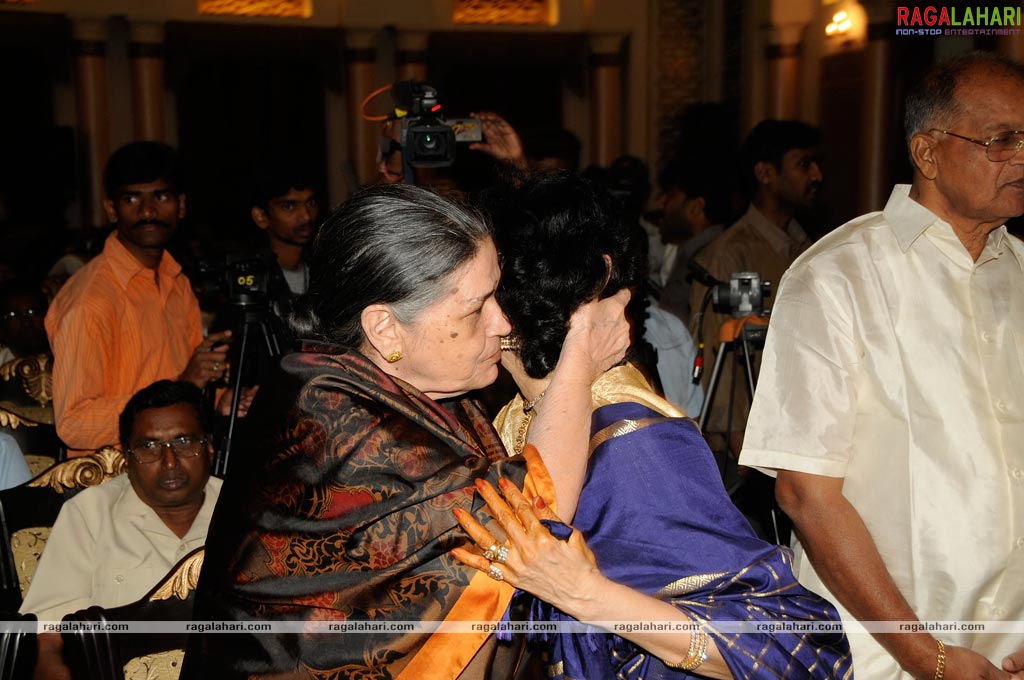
<point x="22" y="311"/>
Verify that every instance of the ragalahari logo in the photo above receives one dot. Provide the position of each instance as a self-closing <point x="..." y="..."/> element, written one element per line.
<point x="948" y="20"/>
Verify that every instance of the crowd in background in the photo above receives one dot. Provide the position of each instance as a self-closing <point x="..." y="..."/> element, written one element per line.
<point x="848" y="415"/>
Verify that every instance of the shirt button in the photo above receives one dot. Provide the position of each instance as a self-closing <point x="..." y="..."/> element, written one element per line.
<point x="986" y="336"/>
<point x="1017" y="473"/>
<point x="998" y="612"/>
<point x="182" y="547"/>
<point x="1000" y="405"/>
<point x="1020" y="543"/>
<point x="119" y="578"/>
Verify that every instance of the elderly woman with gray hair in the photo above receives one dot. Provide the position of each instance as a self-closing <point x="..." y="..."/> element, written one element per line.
<point x="338" y="509"/>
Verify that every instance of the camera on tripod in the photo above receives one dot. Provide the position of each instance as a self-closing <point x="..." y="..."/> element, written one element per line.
<point x="743" y="295"/>
<point x="428" y="140"/>
<point x="247" y="280"/>
<point x="238" y="279"/>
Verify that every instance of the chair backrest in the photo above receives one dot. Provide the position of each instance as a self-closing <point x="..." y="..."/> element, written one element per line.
<point x="28" y="511"/>
<point x="26" y="409"/>
<point x="100" y="655"/>
<point x="18" y="649"/>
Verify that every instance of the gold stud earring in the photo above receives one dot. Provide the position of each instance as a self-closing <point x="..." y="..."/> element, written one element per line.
<point x="393" y="357"/>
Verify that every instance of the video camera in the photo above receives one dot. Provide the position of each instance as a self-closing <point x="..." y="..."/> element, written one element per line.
<point x="743" y="295"/>
<point x="239" y="279"/>
<point x="428" y="139"/>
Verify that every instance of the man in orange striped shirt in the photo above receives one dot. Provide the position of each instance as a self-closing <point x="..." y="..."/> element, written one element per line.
<point x="128" y="317"/>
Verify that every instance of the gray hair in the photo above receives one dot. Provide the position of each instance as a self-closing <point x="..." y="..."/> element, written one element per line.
<point x="932" y="101"/>
<point x="388" y="244"/>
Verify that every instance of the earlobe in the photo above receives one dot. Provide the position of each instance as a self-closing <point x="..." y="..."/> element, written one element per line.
<point x="764" y="172"/>
<point x="181" y="206"/>
<point x="108" y="207"/>
<point x="381" y="330"/>
<point x="922" y="154"/>
<point x="259" y="216"/>
<point x="697" y="207"/>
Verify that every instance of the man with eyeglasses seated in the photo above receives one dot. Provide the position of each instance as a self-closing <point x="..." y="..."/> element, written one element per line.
<point x="891" y="397"/>
<point x="113" y="542"/>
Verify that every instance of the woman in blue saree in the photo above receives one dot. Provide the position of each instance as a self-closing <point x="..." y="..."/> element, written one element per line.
<point x="656" y="536"/>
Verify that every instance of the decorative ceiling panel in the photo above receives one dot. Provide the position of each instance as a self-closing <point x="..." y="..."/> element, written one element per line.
<point x="536" y="12"/>
<point x="258" y="8"/>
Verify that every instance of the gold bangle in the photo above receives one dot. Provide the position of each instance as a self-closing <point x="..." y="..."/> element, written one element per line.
<point x="695" y="655"/>
<point x="940" y="661"/>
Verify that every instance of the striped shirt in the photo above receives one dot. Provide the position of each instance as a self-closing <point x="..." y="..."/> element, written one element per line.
<point x="115" y="327"/>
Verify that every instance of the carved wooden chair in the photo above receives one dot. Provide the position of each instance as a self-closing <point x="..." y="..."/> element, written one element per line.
<point x="141" y="655"/>
<point x="26" y="409"/>
<point x="28" y="511"/>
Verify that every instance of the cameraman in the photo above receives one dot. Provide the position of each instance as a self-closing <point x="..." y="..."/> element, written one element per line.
<point x="781" y="176"/>
<point x="129" y="317"/>
<point x="284" y="206"/>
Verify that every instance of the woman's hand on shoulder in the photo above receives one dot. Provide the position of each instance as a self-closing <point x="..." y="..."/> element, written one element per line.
<point x="562" y="573"/>
<point x="599" y="333"/>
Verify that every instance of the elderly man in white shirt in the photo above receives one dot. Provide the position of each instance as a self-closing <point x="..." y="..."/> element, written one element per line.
<point x="891" y="397"/>
<point x="113" y="542"/>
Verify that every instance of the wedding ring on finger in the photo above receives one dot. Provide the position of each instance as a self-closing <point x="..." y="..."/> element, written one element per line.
<point x="502" y="555"/>
<point x="496" y="573"/>
<point x="492" y="552"/>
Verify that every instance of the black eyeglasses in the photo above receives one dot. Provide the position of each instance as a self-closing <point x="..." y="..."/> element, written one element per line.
<point x="1002" y="147"/>
<point x="183" y="447"/>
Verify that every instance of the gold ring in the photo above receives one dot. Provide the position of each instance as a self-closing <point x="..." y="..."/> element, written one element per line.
<point x="491" y="552"/>
<point x="496" y="573"/>
<point x="502" y="555"/>
<point x="216" y="366"/>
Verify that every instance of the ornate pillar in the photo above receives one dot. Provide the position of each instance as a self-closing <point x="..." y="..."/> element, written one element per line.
<point x="606" y="63"/>
<point x="411" y="56"/>
<point x="360" y="56"/>
<point x="782" y="63"/>
<point x="875" y="106"/>
<point x="146" y="51"/>
<point x="91" y="94"/>
<point x="783" y="51"/>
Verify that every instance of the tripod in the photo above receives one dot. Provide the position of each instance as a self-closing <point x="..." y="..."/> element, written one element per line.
<point x="254" y="321"/>
<point x="744" y="334"/>
<point x="740" y="339"/>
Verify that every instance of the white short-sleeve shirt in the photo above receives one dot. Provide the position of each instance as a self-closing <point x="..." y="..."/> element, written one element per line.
<point x="108" y="548"/>
<point x="896" y="362"/>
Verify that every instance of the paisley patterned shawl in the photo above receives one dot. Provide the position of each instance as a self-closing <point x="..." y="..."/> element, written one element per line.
<point x="342" y="511"/>
<point x="654" y="511"/>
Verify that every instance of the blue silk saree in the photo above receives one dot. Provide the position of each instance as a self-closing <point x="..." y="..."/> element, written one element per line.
<point x="658" y="519"/>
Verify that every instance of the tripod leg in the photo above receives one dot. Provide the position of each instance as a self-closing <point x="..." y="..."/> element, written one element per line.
<point x="221" y="464"/>
<point x="748" y="363"/>
<point x="273" y="348"/>
<point x="709" y="395"/>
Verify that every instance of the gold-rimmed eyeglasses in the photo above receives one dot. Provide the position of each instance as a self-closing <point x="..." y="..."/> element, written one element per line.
<point x="1002" y="147"/>
<point x="183" y="447"/>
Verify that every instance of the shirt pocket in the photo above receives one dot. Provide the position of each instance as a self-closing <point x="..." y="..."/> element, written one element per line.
<point x="115" y="587"/>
